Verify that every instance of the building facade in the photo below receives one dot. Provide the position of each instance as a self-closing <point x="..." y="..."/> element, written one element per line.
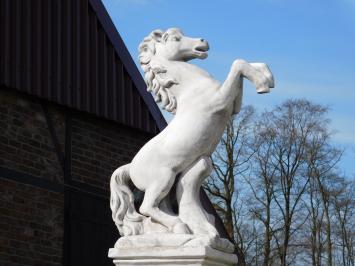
<point x="73" y="107"/>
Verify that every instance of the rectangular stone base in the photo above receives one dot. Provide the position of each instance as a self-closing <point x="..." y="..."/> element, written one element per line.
<point x="172" y="256"/>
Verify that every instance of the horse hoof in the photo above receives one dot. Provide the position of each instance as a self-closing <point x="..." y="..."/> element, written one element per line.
<point x="181" y="228"/>
<point x="264" y="69"/>
<point x="262" y="89"/>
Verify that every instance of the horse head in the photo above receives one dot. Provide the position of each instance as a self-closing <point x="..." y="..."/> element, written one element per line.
<point x="174" y="45"/>
<point x="171" y="45"/>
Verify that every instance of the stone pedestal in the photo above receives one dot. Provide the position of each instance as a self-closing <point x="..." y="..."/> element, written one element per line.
<point x="172" y="249"/>
<point x="194" y="256"/>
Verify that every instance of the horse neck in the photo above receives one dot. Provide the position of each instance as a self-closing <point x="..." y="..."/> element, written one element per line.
<point x="174" y="70"/>
<point x="185" y="70"/>
<point x="180" y="70"/>
<point x="186" y="76"/>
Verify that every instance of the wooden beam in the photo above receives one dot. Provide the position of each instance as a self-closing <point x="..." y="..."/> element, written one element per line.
<point x="28" y="179"/>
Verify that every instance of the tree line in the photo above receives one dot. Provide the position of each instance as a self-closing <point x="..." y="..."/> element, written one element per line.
<point x="279" y="190"/>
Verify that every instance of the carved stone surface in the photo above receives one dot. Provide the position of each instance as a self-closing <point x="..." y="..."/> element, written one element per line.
<point x="202" y="108"/>
<point x="171" y="256"/>
<point x="174" y="240"/>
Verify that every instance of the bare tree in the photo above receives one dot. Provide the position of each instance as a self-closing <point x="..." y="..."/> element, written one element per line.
<point x="316" y="214"/>
<point x="344" y="204"/>
<point x="288" y="129"/>
<point x="261" y="184"/>
<point x="322" y="158"/>
<point x="276" y="187"/>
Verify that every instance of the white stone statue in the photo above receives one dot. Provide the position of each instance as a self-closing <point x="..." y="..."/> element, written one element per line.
<point x="202" y="107"/>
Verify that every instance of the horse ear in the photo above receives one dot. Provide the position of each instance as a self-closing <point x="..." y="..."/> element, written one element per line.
<point x="165" y="37"/>
<point x="157" y="35"/>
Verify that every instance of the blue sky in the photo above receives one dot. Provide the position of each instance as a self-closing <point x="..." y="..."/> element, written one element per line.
<point x="308" y="44"/>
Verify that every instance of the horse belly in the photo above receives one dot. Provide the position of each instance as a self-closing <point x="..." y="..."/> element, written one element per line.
<point x="196" y="136"/>
<point x="179" y="145"/>
<point x="151" y="161"/>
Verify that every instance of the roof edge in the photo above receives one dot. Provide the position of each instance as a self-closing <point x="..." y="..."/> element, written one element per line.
<point x="127" y="61"/>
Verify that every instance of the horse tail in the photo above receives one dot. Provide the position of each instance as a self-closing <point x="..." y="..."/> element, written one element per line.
<point x="124" y="214"/>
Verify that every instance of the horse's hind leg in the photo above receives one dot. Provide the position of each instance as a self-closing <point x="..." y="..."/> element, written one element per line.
<point x="188" y="189"/>
<point x="154" y="195"/>
<point x="165" y="206"/>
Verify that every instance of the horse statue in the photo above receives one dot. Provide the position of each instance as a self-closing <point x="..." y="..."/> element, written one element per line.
<point x="180" y="154"/>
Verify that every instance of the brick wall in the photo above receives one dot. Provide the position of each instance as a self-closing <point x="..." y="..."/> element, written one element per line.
<point x="31" y="225"/>
<point x="32" y="216"/>
<point x="25" y="141"/>
<point x="99" y="147"/>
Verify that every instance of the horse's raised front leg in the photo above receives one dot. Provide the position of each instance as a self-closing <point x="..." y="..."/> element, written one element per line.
<point x="258" y="73"/>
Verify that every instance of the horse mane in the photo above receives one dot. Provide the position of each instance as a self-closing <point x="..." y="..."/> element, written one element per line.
<point x="155" y="75"/>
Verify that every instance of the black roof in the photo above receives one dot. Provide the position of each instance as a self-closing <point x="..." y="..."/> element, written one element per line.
<point x="70" y="52"/>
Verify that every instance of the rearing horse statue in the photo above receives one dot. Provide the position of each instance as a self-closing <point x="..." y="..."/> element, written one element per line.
<point x="202" y="108"/>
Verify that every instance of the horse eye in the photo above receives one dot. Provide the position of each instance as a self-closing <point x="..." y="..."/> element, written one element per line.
<point x="174" y="38"/>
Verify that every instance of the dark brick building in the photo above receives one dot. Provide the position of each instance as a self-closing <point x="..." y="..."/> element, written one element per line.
<point x="36" y="187"/>
<point x="73" y="107"/>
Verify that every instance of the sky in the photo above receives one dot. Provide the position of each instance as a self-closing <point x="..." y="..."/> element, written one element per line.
<point x="308" y="44"/>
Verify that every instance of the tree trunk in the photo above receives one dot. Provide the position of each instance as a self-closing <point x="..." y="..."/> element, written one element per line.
<point x="241" y="257"/>
<point x="329" y="240"/>
<point x="267" y="244"/>
<point x="286" y="233"/>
